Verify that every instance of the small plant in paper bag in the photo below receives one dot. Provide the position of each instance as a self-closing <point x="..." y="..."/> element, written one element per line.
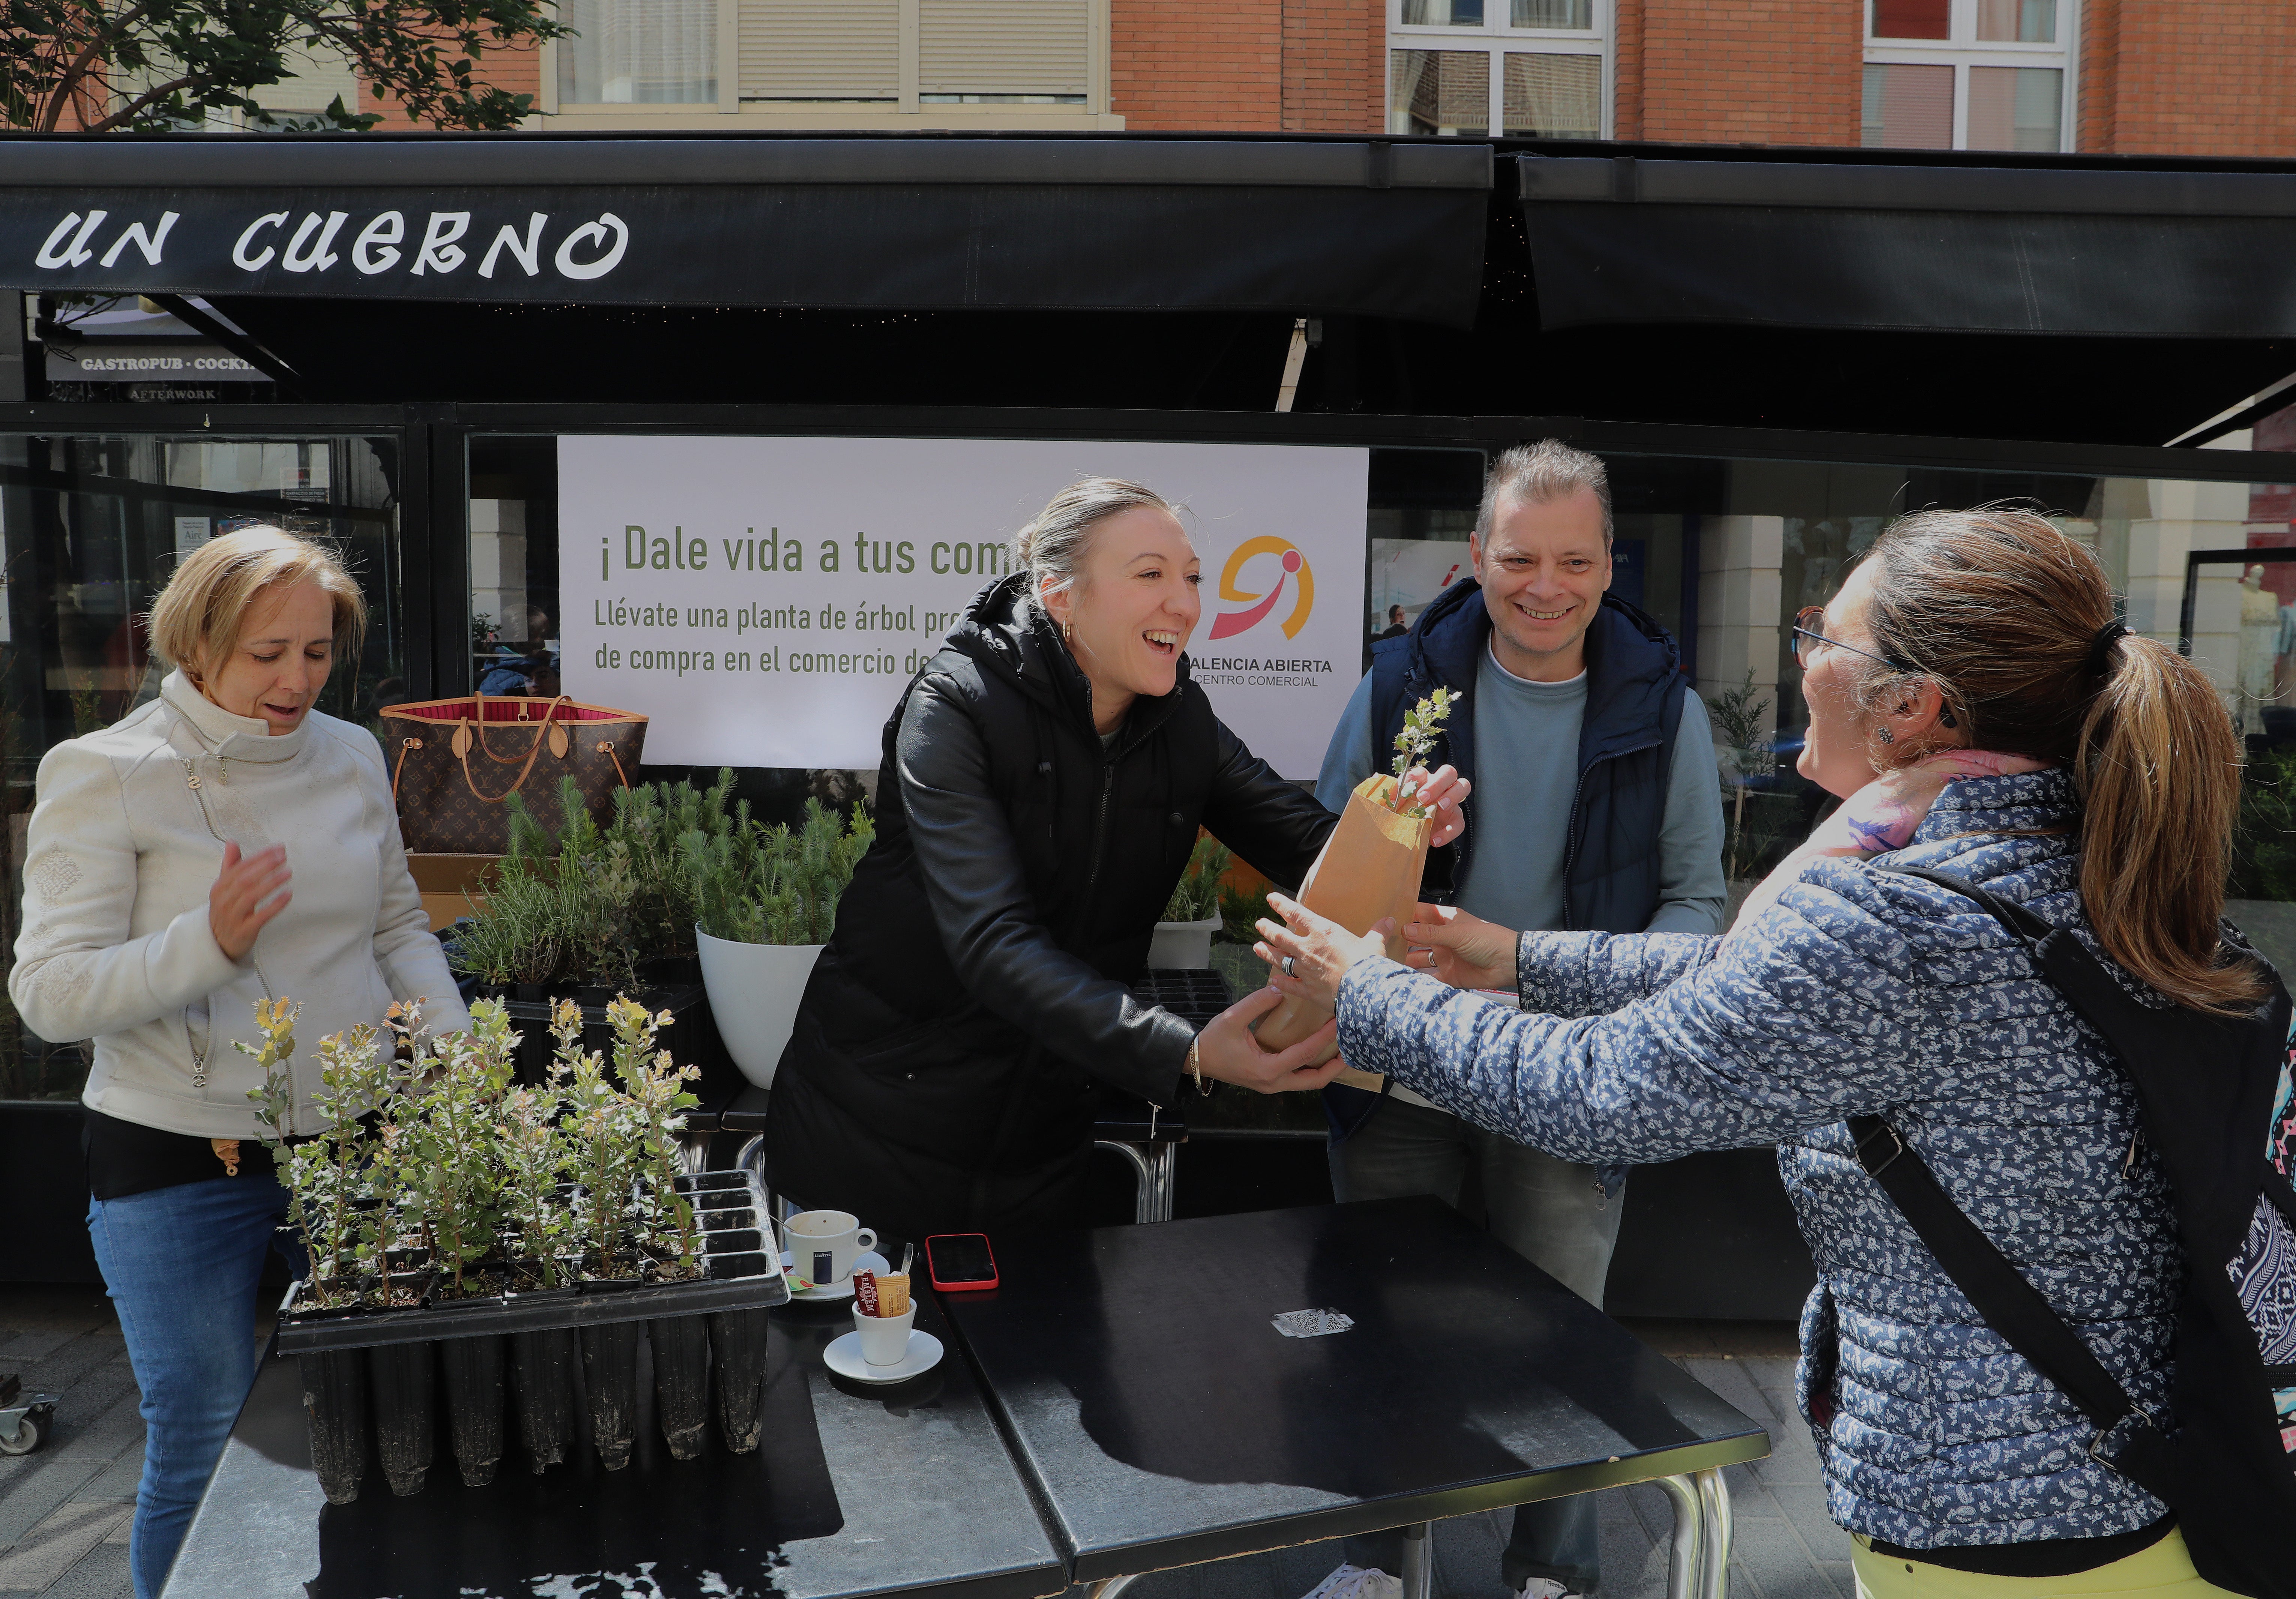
<point x="1372" y="864"/>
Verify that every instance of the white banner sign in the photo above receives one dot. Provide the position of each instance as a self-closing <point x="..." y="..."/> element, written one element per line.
<point x="767" y="600"/>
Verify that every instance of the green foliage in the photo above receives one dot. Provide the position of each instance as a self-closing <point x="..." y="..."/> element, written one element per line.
<point x="2264" y="845"/>
<point x="1423" y="728"/>
<point x="1737" y="716"/>
<point x="578" y="1174"/>
<point x="768" y="885"/>
<point x="583" y="904"/>
<point x="156" y="66"/>
<point x="1240" y="912"/>
<point x="1196" y="897"/>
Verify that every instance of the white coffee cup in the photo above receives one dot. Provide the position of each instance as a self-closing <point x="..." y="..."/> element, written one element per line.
<point x="823" y="1245"/>
<point x="884" y="1339"/>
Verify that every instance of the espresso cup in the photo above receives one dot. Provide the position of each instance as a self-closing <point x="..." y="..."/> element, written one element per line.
<point x="884" y="1339"/>
<point x="823" y="1245"/>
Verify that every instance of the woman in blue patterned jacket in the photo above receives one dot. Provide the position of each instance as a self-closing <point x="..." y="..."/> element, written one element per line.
<point x="1976" y="702"/>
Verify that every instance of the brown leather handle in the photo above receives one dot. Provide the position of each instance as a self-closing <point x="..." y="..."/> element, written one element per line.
<point x="518" y="783"/>
<point x="400" y="765"/>
<point x="606" y="749"/>
<point x="541" y="729"/>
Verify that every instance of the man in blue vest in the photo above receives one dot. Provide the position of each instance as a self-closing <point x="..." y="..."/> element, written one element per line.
<point x="1596" y="805"/>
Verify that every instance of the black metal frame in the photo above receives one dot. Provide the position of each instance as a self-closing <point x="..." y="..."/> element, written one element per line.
<point x="2197" y="559"/>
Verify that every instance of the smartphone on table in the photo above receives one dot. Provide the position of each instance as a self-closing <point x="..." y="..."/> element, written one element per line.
<point x="960" y="1262"/>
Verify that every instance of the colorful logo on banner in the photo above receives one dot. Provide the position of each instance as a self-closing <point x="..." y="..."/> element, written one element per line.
<point x="1229" y="623"/>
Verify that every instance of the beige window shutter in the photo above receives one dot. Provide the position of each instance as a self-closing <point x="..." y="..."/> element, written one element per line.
<point x="806" y="50"/>
<point x="1004" y="48"/>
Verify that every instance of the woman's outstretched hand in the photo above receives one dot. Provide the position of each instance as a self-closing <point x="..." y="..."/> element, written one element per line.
<point x="1464" y="951"/>
<point x="1320" y="951"/>
<point x="1440" y="791"/>
<point x="247" y="893"/>
<point x="1227" y="1050"/>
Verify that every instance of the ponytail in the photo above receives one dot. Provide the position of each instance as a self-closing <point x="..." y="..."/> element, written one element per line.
<point x="2158" y="769"/>
<point x="2015" y="623"/>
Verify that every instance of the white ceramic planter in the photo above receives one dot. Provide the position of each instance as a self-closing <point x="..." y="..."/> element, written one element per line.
<point x="1182" y="946"/>
<point x="754" y="990"/>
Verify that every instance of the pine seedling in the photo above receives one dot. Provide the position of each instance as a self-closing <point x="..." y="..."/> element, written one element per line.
<point x="1423" y="726"/>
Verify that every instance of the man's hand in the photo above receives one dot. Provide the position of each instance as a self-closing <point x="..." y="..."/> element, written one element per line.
<point x="247" y="894"/>
<point x="1441" y="792"/>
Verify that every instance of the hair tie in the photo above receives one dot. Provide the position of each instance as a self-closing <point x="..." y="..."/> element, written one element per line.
<point x="2101" y="647"/>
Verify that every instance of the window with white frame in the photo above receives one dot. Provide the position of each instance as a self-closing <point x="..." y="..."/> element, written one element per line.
<point x="1969" y="73"/>
<point x="1530" y="67"/>
<point x="638" y="52"/>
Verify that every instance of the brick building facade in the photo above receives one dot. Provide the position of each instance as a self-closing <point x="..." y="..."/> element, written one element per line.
<point x="2122" y="77"/>
<point x="2203" y="77"/>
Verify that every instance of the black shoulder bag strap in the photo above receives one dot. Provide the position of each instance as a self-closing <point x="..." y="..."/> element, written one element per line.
<point x="2011" y="1305"/>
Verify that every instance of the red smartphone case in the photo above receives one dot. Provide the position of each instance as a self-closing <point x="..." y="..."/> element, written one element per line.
<point x="961" y="1285"/>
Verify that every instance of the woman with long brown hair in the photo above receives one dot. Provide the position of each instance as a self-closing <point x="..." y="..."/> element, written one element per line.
<point x="1983" y="711"/>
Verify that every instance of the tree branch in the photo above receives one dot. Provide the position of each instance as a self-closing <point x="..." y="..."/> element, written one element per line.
<point x="127" y="112"/>
<point x="78" y="69"/>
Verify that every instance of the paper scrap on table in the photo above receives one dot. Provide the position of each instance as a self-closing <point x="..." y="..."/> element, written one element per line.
<point x="1312" y="1323"/>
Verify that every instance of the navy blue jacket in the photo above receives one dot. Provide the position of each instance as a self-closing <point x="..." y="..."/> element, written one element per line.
<point x="1634" y="695"/>
<point x="1634" y="691"/>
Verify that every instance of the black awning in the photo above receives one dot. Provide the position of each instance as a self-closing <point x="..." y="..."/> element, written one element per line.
<point x="2059" y="249"/>
<point x="894" y="223"/>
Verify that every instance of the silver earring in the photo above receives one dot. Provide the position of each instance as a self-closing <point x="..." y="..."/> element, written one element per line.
<point x="1885" y="735"/>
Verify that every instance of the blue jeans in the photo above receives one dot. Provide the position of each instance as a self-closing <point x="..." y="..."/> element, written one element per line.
<point x="1552" y="1214"/>
<point x="181" y="1265"/>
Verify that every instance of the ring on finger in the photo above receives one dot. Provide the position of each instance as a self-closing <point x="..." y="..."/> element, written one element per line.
<point x="1287" y="967"/>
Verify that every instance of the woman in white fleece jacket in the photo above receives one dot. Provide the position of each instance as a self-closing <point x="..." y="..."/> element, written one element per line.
<point x="158" y="910"/>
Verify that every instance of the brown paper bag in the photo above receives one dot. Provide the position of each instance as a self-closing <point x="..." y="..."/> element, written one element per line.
<point x="1369" y="869"/>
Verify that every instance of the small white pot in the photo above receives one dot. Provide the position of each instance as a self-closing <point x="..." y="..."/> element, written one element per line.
<point x="754" y="990"/>
<point x="1182" y="946"/>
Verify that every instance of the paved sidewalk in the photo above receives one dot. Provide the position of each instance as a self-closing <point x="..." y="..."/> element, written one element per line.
<point x="64" y="1510"/>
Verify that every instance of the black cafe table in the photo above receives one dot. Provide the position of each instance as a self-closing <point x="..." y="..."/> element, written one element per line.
<point x="1165" y="1418"/>
<point x="853" y="1490"/>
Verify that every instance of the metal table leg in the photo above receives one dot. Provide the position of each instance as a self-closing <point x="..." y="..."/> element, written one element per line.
<point x="1419" y="1561"/>
<point x="1163" y="1165"/>
<point x="1685" y="1572"/>
<point x="1714" y="1534"/>
<point x="1153" y="1166"/>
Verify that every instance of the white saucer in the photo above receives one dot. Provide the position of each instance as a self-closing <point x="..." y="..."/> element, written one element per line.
<point x="843" y="1357"/>
<point x="829" y="1293"/>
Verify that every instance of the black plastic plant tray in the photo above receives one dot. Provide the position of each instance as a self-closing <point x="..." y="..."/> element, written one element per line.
<point x="543" y="1310"/>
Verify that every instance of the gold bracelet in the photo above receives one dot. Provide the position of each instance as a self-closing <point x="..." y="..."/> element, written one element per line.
<point x="1195" y="1066"/>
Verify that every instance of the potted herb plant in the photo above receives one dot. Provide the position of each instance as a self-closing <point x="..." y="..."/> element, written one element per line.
<point x="767" y="902"/>
<point x="1183" y="941"/>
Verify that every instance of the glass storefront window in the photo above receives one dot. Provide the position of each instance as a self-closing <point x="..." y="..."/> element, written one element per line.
<point x="91" y="526"/>
<point x="1438" y="91"/>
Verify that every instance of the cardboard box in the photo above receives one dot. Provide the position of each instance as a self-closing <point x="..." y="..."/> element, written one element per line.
<point x="451" y="885"/>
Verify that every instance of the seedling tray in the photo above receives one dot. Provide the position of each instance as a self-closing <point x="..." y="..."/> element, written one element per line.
<point x="548" y="1309"/>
